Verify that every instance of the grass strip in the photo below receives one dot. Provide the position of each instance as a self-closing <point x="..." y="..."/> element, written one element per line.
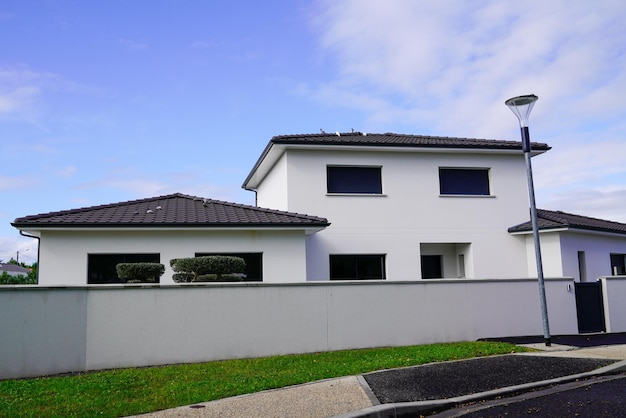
<point x="123" y="392"/>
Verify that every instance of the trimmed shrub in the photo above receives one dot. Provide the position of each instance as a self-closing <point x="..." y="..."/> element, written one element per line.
<point x="140" y="272"/>
<point x="208" y="268"/>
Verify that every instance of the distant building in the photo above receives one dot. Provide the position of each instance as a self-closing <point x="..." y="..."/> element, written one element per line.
<point x="13" y="269"/>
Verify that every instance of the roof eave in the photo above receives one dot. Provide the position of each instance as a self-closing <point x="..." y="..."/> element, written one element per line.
<point x="276" y="147"/>
<point x="156" y="227"/>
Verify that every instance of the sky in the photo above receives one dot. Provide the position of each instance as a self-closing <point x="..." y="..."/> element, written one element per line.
<point x="104" y="102"/>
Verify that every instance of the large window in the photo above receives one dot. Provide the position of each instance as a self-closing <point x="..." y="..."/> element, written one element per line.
<point x="354" y="180"/>
<point x="254" y="264"/>
<point x="464" y="181"/>
<point x="101" y="267"/>
<point x="357" y="267"/>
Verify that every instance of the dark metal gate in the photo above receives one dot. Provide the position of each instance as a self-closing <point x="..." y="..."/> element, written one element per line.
<point x="589" y="307"/>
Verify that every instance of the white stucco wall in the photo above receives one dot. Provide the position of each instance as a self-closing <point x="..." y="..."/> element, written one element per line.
<point x="411" y="210"/>
<point x="559" y="253"/>
<point x="614" y="294"/>
<point x="63" y="254"/>
<point x="55" y="330"/>
<point x="597" y="247"/>
<point x="272" y="193"/>
<point x="550" y="243"/>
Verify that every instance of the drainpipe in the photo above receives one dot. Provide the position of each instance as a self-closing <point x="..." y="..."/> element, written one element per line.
<point x="24" y="234"/>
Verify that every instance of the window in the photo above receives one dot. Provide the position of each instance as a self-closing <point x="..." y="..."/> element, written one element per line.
<point x="357" y="267"/>
<point x="464" y="181"/>
<point x="582" y="266"/>
<point x="354" y="180"/>
<point x="101" y="267"/>
<point x="618" y="264"/>
<point x="254" y="264"/>
<point x="431" y="267"/>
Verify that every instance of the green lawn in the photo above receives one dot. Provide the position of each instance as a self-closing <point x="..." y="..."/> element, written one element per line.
<point x="122" y="392"/>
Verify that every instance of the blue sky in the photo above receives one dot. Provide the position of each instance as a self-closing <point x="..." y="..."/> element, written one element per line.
<point x="104" y="102"/>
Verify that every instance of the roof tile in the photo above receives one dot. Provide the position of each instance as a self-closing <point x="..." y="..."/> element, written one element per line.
<point x="403" y="140"/>
<point x="170" y="210"/>
<point x="548" y="219"/>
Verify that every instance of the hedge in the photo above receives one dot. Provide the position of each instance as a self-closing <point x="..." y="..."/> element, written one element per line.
<point x="140" y="272"/>
<point x="208" y="268"/>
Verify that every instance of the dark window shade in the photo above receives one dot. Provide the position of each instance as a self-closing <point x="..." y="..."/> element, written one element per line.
<point x="431" y="267"/>
<point x="101" y="267"/>
<point x="618" y="264"/>
<point x="358" y="180"/>
<point x="467" y="181"/>
<point x="254" y="264"/>
<point x="357" y="267"/>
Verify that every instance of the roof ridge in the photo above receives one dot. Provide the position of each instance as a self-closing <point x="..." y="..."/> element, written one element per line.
<point x="560" y="212"/>
<point x="101" y="206"/>
<point x="259" y="208"/>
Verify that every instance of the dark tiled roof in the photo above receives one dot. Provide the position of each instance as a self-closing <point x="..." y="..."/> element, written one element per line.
<point x="175" y="210"/>
<point x="13" y="268"/>
<point x="548" y="219"/>
<point x="400" y="140"/>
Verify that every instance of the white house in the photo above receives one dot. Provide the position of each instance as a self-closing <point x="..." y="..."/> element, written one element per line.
<point x="402" y="207"/>
<point x="380" y="206"/>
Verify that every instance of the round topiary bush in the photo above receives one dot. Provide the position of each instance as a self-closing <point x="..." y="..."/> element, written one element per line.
<point x="208" y="268"/>
<point x="140" y="272"/>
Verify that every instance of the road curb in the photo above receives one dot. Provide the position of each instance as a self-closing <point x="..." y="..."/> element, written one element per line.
<point x="396" y="410"/>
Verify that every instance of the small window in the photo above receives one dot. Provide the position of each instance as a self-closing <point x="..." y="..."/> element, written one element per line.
<point x="618" y="264"/>
<point x="254" y="264"/>
<point x="464" y="181"/>
<point x="431" y="267"/>
<point x="354" y="180"/>
<point x="101" y="267"/>
<point x="357" y="267"/>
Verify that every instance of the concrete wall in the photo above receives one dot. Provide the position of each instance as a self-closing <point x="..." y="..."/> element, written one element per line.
<point x="54" y="330"/>
<point x="63" y="254"/>
<point x="410" y="211"/>
<point x="614" y="294"/>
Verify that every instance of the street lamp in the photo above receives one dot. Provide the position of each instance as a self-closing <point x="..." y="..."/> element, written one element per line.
<point x="521" y="107"/>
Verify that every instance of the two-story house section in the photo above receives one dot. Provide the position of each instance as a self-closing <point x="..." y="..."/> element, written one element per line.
<point x="401" y="207"/>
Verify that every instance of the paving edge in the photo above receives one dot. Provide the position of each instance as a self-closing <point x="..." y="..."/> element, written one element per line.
<point x="395" y="410"/>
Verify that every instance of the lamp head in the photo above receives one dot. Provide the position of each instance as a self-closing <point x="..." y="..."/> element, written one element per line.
<point x="521" y="107"/>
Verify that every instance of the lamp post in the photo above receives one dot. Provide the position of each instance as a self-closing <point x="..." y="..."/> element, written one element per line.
<point x="521" y="107"/>
<point x="18" y="255"/>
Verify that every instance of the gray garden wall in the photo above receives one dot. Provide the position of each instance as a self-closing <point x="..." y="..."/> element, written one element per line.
<point x="47" y="330"/>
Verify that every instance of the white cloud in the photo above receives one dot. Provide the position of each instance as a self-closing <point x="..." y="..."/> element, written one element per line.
<point x="20" y="91"/>
<point x="440" y="56"/>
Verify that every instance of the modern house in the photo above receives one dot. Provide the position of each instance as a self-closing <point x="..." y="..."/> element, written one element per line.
<point x="379" y="206"/>
<point x="402" y="207"/>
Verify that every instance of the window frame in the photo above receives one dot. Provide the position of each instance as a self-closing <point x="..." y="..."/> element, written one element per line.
<point x="105" y="268"/>
<point x="457" y="192"/>
<point x="359" y="260"/>
<point x="618" y="264"/>
<point x="350" y="185"/>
